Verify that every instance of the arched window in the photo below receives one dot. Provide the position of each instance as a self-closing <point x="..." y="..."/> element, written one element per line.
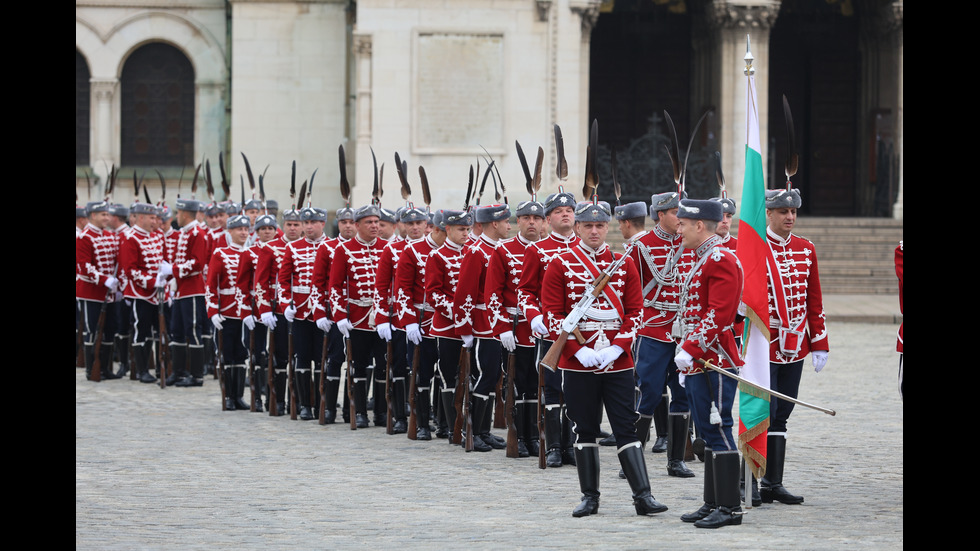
<point x="82" y="110"/>
<point x="157" y="108"/>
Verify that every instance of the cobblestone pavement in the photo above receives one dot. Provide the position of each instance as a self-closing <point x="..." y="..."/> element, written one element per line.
<point x="166" y="469"/>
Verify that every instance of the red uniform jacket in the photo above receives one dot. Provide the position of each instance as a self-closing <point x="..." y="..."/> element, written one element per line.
<point x="229" y="288"/>
<point x="95" y="261"/>
<point x="709" y="302"/>
<point x="139" y="258"/>
<point x="384" y="282"/>
<point x="660" y="259"/>
<point x="409" y="291"/>
<point x="352" y="287"/>
<point x="612" y="321"/>
<point x="441" y="278"/>
<point x="296" y="278"/>
<point x="190" y="260"/>
<point x="500" y="290"/>
<point x="469" y="307"/>
<point x="536" y="260"/>
<point x="797" y="323"/>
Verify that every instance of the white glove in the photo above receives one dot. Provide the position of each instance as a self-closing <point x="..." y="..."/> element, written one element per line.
<point x="507" y="339"/>
<point x="414" y="333"/>
<point x="467" y="341"/>
<point x="384" y="331"/>
<point x="609" y="355"/>
<point x="324" y="324"/>
<point x="166" y="268"/>
<point x="819" y="359"/>
<point x="269" y="320"/>
<point x="587" y="357"/>
<point x="681" y="378"/>
<point x="249" y="322"/>
<point x="216" y="321"/>
<point x="538" y="326"/>
<point x="290" y="313"/>
<point x="111" y="283"/>
<point x="345" y="326"/>
<point x="161" y="280"/>
<point x="683" y="359"/>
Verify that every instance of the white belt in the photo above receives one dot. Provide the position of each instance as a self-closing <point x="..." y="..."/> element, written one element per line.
<point x="226" y="291"/>
<point x="599" y="325"/>
<point x="423" y="307"/>
<point x="301" y="289"/>
<point x="480" y="307"/>
<point x="364" y="303"/>
<point x="665" y="306"/>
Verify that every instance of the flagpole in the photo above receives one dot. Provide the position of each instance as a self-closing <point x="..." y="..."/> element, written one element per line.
<point x="747" y="328"/>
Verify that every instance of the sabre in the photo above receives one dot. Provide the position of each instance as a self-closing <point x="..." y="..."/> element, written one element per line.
<point x="779" y="395"/>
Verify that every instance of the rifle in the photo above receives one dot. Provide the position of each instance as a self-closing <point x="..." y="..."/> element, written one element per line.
<point x="132" y="357"/>
<point x="164" y="353"/>
<point x="569" y="326"/>
<point x="413" y="420"/>
<point x="389" y="386"/>
<point x="96" y="374"/>
<point x="251" y="365"/>
<point x="542" y="462"/>
<point x="291" y="370"/>
<point x="80" y="344"/>
<point x="220" y="356"/>
<point x="511" y="391"/>
<point x="462" y="402"/>
<point x="273" y="399"/>
<point x="323" y="377"/>
<point x="499" y="416"/>
<point x="350" y="385"/>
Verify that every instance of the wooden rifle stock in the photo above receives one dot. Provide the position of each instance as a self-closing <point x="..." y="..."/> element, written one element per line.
<point x="511" y="397"/>
<point x="467" y="414"/>
<point x="499" y="421"/>
<point x="273" y="401"/>
<point x="389" y="389"/>
<point x="350" y="384"/>
<point x="251" y="367"/>
<point x="96" y="374"/>
<point x="542" y="447"/>
<point x="221" y="367"/>
<point x="413" y="420"/>
<point x="291" y="372"/>
<point x="164" y="352"/>
<point x="322" y="413"/>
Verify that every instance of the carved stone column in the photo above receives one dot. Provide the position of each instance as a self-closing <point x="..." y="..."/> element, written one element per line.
<point x="732" y="22"/>
<point x="362" y="47"/>
<point x="104" y="137"/>
<point x="896" y="18"/>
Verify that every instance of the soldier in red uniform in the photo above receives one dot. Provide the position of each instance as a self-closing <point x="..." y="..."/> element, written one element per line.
<point x="385" y="319"/>
<point x="900" y="346"/>
<point x="270" y="309"/>
<point x="559" y="209"/>
<point x="710" y="295"/>
<point x="662" y="261"/>
<point x="600" y="371"/>
<point x="302" y="301"/>
<point x="351" y="300"/>
<point x="118" y="224"/>
<point x="264" y="231"/>
<point x="95" y="285"/>
<point x="441" y="279"/>
<point x="797" y="327"/>
<point x="414" y="314"/>
<point x="473" y="324"/>
<point x="228" y="297"/>
<point x="140" y="257"/>
<point x="190" y="258"/>
<point x="500" y="292"/>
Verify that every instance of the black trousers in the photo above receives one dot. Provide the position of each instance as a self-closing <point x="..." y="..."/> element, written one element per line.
<point x="585" y="394"/>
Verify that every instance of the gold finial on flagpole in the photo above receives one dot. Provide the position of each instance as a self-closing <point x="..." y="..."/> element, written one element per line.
<point x="749" y="69"/>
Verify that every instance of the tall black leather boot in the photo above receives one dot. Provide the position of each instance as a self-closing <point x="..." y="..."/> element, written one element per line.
<point x="552" y="436"/>
<point x="141" y="359"/>
<point x="520" y="425"/>
<point x="122" y="347"/>
<point x="587" y="465"/>
<point x="400" y="424"/>
<point x="178" y="361"/>
<point x="380" y="400"/>
<point x="678" y="436"/>
<point x="533" y="435"/>
<point x="631" y="458"/>
<point x="360" y="404"/>
<point x="709" y="491"/>
<point x="258" y="373"/>
<point x="240" y="374"/>
<point x="478" y="411"/>
<point x="483" y="429"/>
<point x="447" y="406"/>
<point x="643" y="433"/>
<point x="105" y="355"/>
<point x="729" y="510"/>
<point x="303" y="395"/>
<point x="660" y="424"/>
<point x="330" y="408"/>
<point x="422" y="416"/>
<point x="771" y="487"/>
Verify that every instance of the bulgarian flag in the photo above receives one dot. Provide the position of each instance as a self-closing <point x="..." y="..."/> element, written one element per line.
<point x="752" y="250"/>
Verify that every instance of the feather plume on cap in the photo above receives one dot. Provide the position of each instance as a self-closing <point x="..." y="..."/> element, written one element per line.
<point x="426" y="195"/>
<point x="562" y="166"/>
<point x="792" y="157"/>
<point x="344" y="184"/>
